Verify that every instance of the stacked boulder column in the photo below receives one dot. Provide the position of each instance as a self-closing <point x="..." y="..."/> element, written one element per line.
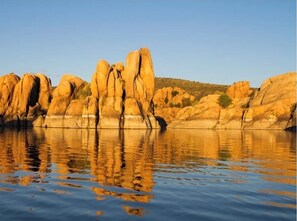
<point x="125" y="93"/>
<point x="139" y="89"/>
<point x="107" y="86"/>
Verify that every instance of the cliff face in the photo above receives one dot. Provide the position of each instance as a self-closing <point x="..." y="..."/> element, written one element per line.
<point x="273" y="106"/>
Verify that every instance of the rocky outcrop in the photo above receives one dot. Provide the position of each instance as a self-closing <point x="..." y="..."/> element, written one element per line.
<point x="65" y="109"/>
<point x="169" y="100"/>
<point x="125" y="93"/>
<point x="239" y="90"/>
<point x="273" y="106"/>
<point x="7" y="85"/>
<point x="139" y="90"/>
<point x="122" y="96"/>
<point x="107" y="86"/>
<point x="28" y="98"/>
<point x="45" y="88"/>
<point x="117" y="97"/>
<point x="203" y="115"/>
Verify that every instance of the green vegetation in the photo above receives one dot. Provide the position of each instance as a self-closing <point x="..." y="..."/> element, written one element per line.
<point x="174" y="93"/>
<point x="245" y="105"/>
<point x="83" y="91"/>
<point x="166" y="100"/>
<point x="194" y="88"/>
<point x="175" y="105"/>
<point x="186" y="102"/>
<point x="224" y="100"/>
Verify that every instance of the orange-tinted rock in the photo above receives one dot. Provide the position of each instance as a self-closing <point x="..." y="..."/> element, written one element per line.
<point x="65" y="110"/>
<point x="99" y="80"/>
<point x="90" y="112"/>
<point x="147" y="74"/>
<point x="273" y="107"/>
<point x="239" y="90"/>
<point x="62" y="95"/>
<point x="169" y="100"/>
<point x="130" y="73"/>
<point x="7" y="85"/>
<point x="125" y="93"/>
<point x="273" y="104"/>
<point x="203" y="115"/>
<point x="75" y="108"/>
<point x="45" y="89"/>
<point x="25" y="94"/>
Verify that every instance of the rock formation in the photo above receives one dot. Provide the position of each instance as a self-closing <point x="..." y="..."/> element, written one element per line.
<point x="25" y="99"/>
<point x="203" y="115"/>
<point x="122" y="96"/>
<point x="64" y="107"/>
<point x="125" y="93"/>
<point x="169" y="100"/>
<point x="239" y="90"/>
<point x="273" y="106"/>
<point x="7" y="85"/>
<point x="117" y="97"/>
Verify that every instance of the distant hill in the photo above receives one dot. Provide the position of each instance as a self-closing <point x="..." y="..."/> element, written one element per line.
<point x="195" y="88"/>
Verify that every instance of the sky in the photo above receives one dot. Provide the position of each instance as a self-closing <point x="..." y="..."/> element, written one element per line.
<point x="210" y="41"/>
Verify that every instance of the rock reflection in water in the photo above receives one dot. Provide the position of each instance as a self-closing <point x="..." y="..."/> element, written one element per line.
<point x="121" y="164"/>
<point x="126" y="158"/>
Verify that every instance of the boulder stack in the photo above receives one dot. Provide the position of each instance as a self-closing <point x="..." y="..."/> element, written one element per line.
<point x="117" y="97"/>
<point x="24" y="99"/>
<point x="125" y="93"/>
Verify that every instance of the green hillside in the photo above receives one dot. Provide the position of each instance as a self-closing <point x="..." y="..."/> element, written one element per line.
<point x="195" y="88"/>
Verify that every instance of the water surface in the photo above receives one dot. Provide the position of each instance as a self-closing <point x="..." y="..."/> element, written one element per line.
<point x="64" y="174"/>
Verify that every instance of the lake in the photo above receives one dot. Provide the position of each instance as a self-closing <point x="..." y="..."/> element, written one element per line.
<point x="66" y="174"/>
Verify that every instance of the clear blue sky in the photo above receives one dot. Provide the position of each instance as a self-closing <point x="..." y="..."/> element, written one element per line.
<point x="213" y="41"/>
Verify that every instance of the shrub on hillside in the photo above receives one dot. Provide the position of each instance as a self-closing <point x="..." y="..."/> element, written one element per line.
<point x="166" y="100"/>
<point x="186" y="102"/>
<point x="224" y="100"/>
<point x="174" y="93"/>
